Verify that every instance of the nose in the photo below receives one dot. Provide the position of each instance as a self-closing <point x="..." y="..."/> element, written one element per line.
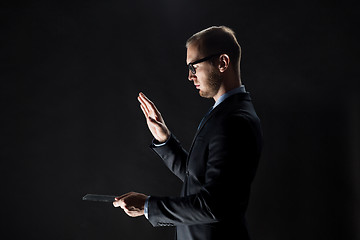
<point x="191" y="76"/>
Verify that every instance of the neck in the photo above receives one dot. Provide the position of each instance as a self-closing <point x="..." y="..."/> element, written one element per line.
<point x="227" y="85"/>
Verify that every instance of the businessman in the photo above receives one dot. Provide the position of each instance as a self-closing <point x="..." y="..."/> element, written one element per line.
<point x="220" y="165"/>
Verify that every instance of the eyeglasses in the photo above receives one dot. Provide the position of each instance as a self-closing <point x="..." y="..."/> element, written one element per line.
<point x="191" y="65"/>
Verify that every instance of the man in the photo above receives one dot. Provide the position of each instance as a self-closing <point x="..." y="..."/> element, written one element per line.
<point x="220" y="165"/>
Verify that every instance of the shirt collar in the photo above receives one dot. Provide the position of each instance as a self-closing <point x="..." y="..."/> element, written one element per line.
<point x="222" y="98"/>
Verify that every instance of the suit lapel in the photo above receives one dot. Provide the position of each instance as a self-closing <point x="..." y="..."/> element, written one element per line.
<point x="205" y="120"/>
<point x="236" y="97"/>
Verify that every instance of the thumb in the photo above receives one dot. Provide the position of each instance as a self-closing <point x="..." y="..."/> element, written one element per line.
<point x="153" y="120"/>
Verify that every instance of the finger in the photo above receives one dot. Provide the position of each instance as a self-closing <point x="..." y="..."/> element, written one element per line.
<point x="119" y="203"/>
<point x="124" y="195"/>
<point x="144" y="104"/>
<point x="132" y="213"/>
<point x="150" y="105"/>
<point x="144" y="111"/>
<point x="122" y="204"/>
<point x="116" y="204"/>
<point x="128" y="212"/>
<point x="148" y="101"/>
<point x="142" y="98"/>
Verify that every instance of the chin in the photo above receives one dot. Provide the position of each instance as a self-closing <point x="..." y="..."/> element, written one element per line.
<point x="205" y="94"/>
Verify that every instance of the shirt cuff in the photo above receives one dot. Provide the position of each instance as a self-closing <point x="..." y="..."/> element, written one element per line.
<point x="146" y="213"/>
<point x="157" y="144"/>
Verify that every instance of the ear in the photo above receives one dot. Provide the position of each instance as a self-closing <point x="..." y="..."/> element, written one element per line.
<point x="224" y="61"/>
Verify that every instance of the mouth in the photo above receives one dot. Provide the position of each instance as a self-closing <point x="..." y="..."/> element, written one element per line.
<point x="197" y="86"/>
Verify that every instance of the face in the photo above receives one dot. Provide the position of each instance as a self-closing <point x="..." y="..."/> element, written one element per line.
<point x="207" y="79"/>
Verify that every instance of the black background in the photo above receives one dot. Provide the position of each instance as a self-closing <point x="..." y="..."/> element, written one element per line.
<point x="71" y="123"/>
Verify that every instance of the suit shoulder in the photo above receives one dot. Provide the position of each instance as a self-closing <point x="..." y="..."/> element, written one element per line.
<point x="238" y="120"/>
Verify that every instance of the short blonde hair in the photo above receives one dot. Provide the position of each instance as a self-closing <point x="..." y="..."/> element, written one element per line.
<point x="218" y="39"/>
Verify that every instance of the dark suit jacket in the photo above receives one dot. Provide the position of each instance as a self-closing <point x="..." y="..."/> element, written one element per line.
<point x="216" y="173"/>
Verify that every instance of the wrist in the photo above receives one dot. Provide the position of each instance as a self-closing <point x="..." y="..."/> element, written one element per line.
<point x="163" y="139"/>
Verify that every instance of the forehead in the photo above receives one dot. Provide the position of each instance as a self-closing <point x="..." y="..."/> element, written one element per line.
<point x="192" y="53"/>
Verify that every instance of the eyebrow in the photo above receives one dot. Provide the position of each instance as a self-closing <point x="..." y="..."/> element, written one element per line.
<point x="191" y="62"/>
<point x="187" y="62"/>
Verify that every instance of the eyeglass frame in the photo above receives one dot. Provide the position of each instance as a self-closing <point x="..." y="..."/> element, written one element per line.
<point x="191" y="65"/>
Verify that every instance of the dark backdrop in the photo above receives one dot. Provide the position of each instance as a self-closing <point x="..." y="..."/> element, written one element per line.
<point x="71" y="123"/>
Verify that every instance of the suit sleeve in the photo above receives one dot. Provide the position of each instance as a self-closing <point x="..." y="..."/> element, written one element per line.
<point x="229" y="171"/>
<point x="173" y="155"/>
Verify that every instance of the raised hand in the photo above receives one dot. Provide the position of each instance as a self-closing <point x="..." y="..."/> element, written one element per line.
<point x="154" y="119"/>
